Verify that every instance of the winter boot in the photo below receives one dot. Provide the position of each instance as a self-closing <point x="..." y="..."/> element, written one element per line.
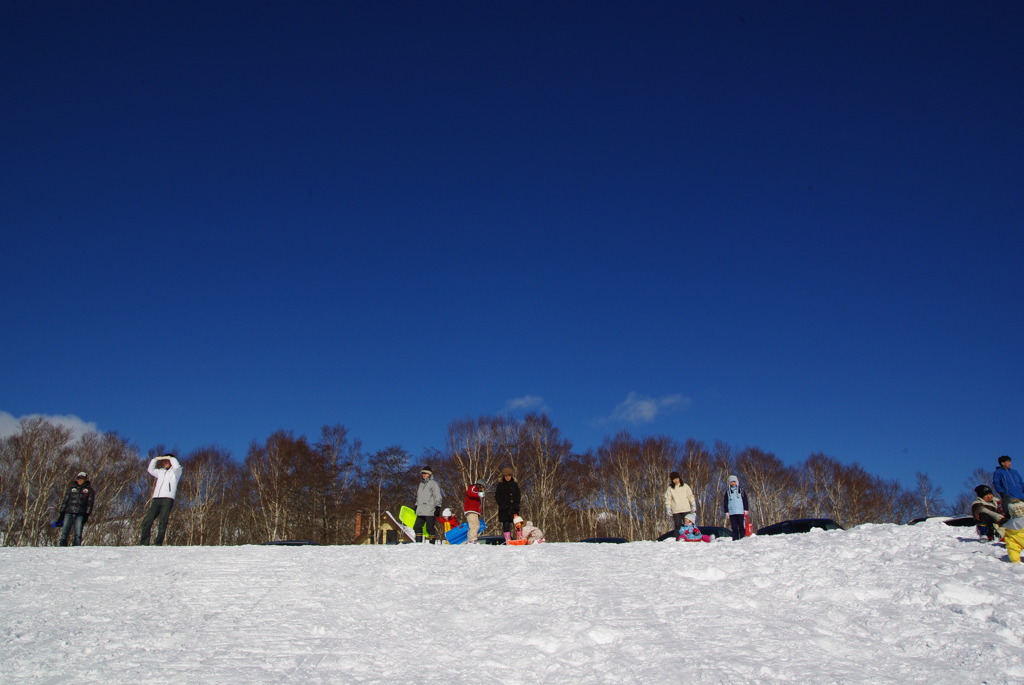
<point x="508" y="537"/>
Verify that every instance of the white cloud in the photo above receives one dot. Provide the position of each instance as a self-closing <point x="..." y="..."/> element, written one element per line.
<point x="526" y="403"/>
<point x="9" y="425"/>
<point x="637" y="408"/>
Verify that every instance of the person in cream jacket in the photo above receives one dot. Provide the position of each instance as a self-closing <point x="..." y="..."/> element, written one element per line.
<point x="679" y="500"/>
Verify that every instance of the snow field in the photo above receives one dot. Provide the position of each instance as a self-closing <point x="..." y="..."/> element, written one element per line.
<point x="876" y="604"/>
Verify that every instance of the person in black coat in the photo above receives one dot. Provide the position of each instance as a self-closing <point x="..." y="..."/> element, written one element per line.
<point x="506" y="495"/>
<point x="75" y="509"/>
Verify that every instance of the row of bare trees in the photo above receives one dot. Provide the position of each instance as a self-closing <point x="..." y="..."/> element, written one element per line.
<point x="331" y="491"/>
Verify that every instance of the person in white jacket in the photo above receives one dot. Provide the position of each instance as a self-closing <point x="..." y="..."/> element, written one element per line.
<point x="679" y="500"/>
<point x="167" y="472"/>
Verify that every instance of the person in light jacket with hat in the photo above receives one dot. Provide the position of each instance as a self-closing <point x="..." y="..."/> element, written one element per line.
<point x="736" y="506"/>
<point x="525" y="530"/>
<point x="167" y="472"/>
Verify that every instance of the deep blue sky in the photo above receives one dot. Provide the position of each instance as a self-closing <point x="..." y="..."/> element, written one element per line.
<point x="792" y="226"/>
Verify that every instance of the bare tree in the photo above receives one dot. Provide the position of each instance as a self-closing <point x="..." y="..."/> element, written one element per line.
<point x="541" y="452"/>
<point x="35" y="464"/>
<point x="335" y="498"/>
<point x="279" y="470"/>
<point x="697" y="470"/>
<point x="769" y="483"/>
<point x="121" y="487"/>
<point x="722" y="457"/>
<point x="634" y="475"/>
<point x="207" y="497"/>
<point x="820" y="486"/>
<point x="586" y="512"/>
<point x="289" y="488"/>
<point x="964" y="499"/>
<point x="476" y="448"/>
<point x="386" y="484"/>
<point x="864" y="497"/>
<point x="979" y="476"/>
<point x="929" y="496"/>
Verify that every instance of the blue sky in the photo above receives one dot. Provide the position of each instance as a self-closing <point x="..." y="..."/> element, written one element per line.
<point x="796" y="227"/>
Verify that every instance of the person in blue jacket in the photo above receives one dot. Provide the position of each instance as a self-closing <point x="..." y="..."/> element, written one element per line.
<point x="736" y="506"/>
<point x="1007" y="482"/>
<point x="689" y="532"/>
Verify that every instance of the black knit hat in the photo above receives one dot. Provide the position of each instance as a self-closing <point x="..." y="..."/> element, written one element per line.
<point x="427" y="469"/>
<point x="982" y="490"/>
<point x="672" y="476"/>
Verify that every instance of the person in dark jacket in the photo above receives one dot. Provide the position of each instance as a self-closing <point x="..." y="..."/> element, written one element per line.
<point x="736" y="506"/>
<point x="506" y="496"/>
<point x="75" y="509"/>
<point x="987" y="511"/>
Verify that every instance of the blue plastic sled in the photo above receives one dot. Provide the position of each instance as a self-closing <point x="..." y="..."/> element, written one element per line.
<point x="458" y="535"/>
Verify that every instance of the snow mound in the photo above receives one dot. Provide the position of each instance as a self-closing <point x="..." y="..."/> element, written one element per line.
<point x="876" y="604"/>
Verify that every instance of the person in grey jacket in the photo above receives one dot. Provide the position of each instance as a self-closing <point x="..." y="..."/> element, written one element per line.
<point x="428" y="504"/>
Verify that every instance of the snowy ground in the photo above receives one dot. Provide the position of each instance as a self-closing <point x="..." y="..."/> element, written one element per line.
<point x="876" y="604"/>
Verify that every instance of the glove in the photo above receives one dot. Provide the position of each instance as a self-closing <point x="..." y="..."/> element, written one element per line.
<point x="85" y="519"/>
<point x="437" y="512"/>
<point x="59" y="523"/>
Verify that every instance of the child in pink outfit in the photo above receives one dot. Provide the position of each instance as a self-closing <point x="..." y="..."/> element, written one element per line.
<point x="526" y="531"/>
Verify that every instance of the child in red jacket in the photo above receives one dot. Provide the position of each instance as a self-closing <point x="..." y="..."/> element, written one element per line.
<point x="474" y="507"/>
<point x="445" y="522"/>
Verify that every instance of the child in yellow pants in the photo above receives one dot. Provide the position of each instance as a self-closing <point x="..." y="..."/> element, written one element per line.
<point x="1015" y="530"/>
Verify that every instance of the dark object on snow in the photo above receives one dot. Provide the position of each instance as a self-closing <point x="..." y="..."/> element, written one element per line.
<point x="955" y="521"/>
<point x="291" y="543"/>
<point x="490" y="540"/>
<point x="799" y="526"/>
<point x="713" y="531"/>
<point x="961" y="522"/>
<point x="616" y="541"/>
